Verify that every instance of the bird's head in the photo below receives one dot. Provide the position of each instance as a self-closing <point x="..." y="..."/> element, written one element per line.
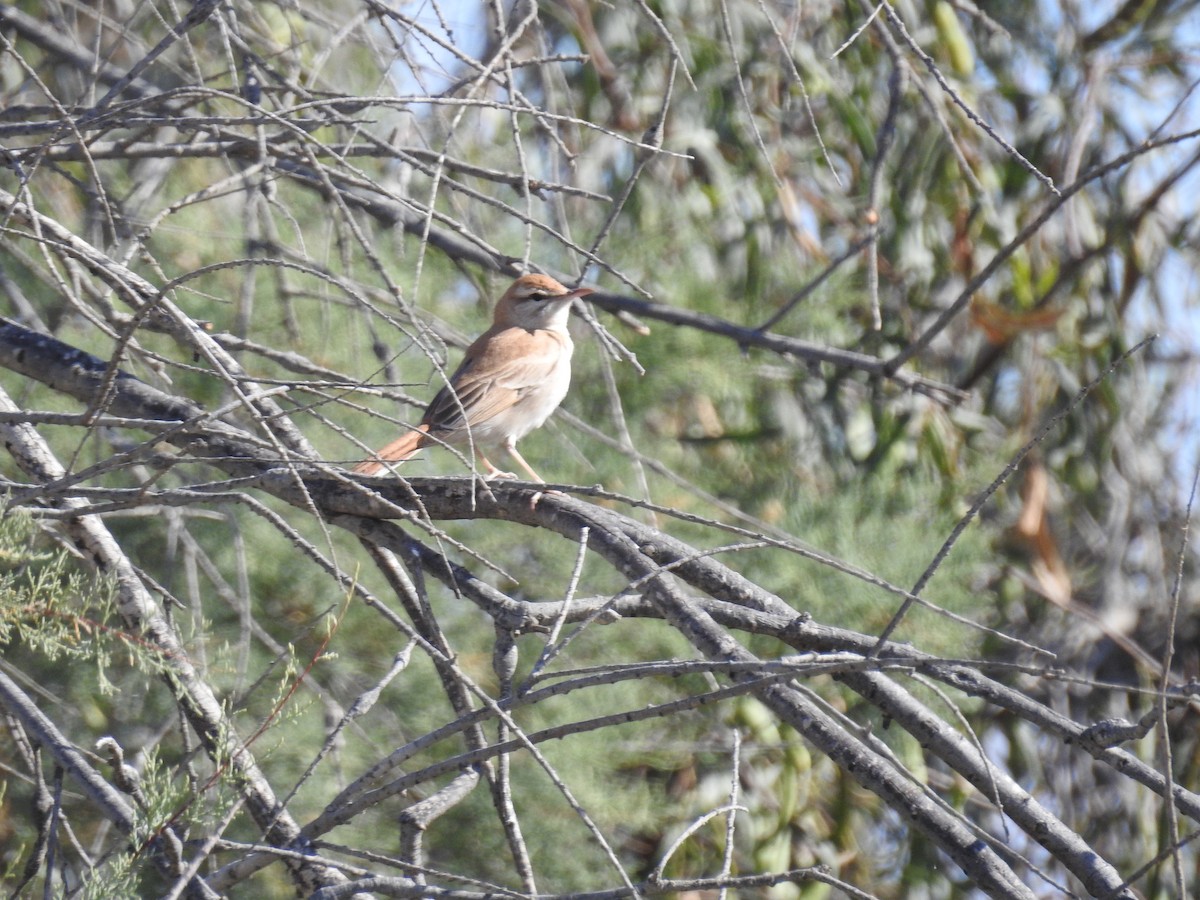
<point x="537" y="301"/>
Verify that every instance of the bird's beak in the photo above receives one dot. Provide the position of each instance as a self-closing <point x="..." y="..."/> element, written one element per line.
<point x="579" y="293"/>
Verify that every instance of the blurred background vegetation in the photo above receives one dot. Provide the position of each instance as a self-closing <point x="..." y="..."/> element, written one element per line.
<point x="342" y="187"/>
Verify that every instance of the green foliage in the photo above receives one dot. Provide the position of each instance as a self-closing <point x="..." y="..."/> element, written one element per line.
<point x="52" y="608"/>
<point x="117" y="879"/>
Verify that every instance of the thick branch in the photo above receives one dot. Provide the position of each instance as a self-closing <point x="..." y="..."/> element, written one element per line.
<point x="41" y="729"/>
<point x="141" y="615"/>
<point x="639" y="551"/>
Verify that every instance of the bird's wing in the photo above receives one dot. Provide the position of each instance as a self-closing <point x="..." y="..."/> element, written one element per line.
<point x="498" y="370"/>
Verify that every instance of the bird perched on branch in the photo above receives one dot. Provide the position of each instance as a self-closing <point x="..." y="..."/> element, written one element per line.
<point x="512" y="378"/>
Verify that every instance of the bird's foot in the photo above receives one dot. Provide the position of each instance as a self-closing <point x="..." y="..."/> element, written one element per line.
<point x="548" y="492"/>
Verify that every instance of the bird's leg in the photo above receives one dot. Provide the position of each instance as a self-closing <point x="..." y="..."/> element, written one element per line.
<point x="490" y="470"/>
<point x="511" y="446"/>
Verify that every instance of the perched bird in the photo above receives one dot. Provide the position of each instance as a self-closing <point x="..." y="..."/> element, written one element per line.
<point x="510" y="381"/>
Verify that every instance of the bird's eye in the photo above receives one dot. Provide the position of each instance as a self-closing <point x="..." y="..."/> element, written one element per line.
<point x="538" y="295"/>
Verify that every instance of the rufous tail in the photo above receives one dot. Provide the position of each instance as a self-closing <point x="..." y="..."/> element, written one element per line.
<point x="397" y="451"/>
